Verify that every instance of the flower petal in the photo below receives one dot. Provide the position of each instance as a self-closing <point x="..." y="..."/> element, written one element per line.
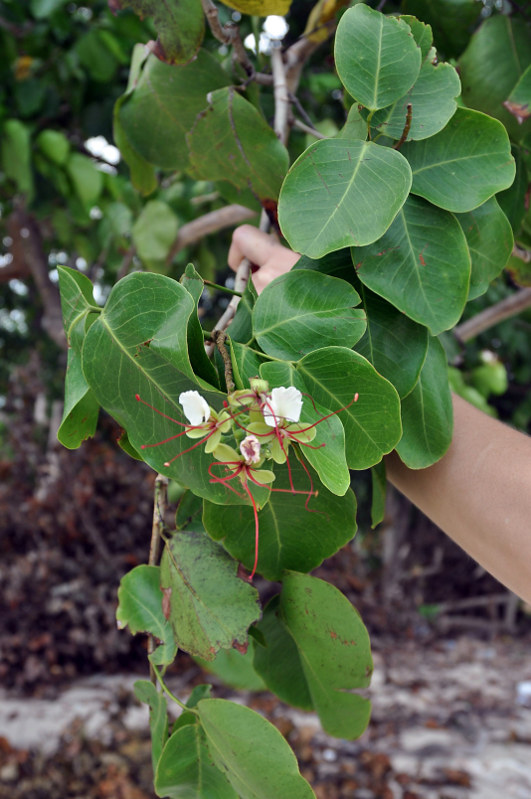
<point x="285" y="404"/>
<point x="195" y="407"/>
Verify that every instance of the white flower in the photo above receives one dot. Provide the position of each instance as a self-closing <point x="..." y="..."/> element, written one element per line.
<point x="195" y="407"/>
<point x="285" y="403"/>
<point x="250" y="449"/>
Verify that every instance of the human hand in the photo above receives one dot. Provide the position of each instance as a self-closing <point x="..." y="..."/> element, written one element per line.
<point x="263" y="251"/>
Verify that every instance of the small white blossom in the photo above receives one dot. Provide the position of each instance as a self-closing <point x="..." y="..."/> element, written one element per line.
<point x="195" y="407"/>
<point x="250" y="449"/>
<point x="284" y="404"/>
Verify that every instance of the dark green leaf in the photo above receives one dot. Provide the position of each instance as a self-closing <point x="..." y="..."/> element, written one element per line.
<point x="340" y="193"/>
<point x="302" y="311"/>
<point x="463" y="165"/>
<point x="140" y="608"/>
<point x="334" y="649"/>
<point x="427" y="413"/>
<point x="146" y="692"/>
<point x="232" y="131"/>
<point x="490" y="243"/>
<point x="372" y="424"/>
<point x="290" y="536"/>
<point x="210" y="607"/>
<point x="421" y="265"/>
<point x="201" y="363"/>
<point x="80" y="413"/>
<point x="394" y="344"/>
<point x="253" y="754"/>
<point x="180" y="25"/>
<point x="376" y="57"/>
<point x="235" y="669"/>
<point x="186" y="769"/>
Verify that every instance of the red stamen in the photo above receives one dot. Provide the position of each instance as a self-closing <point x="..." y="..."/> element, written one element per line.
<point x="328" y="415"/>
<point x="197" y="444"/>
<point x="152" y="407"/>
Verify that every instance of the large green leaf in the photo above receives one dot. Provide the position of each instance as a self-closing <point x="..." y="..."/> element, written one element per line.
<point x="463" y="165"/>
<point x="146" y="692"/>
<point x="290" y="535"/>
<point x="502" y="41"/>
<point x="140" y="608"/>
<point x="201" y="363"/>
<point x="326" y="452"/>
<point x="186" y="770"/>
<point x="81" y="408"/>
<point x="253" y="754"/>
<point x="334" y="650"/>
<point x="340" y="193"/>
<point x="372" y="424"/>
<point x="138" y="346"/>
<point x="394" y="344"/>
<point x="277" y="660"/>
<point x="451" y="21"/>
<point x="232" y="131"/>
<point x="180" y="25"/>
<point x="210" y="606"/>
<point x="490" y="243"/>
<point x="432" y="100"/>
<point x="376" y="57"/>
<point x="163" y="106"/>
<point x="427" y="413"/>
<point x="303" y="311"/>
<point x="421" y="265"/>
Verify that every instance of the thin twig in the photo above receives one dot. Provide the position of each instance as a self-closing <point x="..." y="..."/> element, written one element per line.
<point x="307" y="129"/>
<point x="194" y="231"/>
<point x="160" y="502"/>
<point x="407" y="127"/>
<point x="282" y="104"/>
<point x="504" y="309"/>
<point x="299" y="52"/>
<point x="219" y="337"/>
<point x="227" y="34"/>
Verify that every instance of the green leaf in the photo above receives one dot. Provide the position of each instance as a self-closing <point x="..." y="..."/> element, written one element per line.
<point x="77" y="301"/>
<point x="154" y="232"/>
<point x="210" y="607"/>
<point x="463" y="165"/>
<point x="140" y="608"/>
<point x="180" y="25"/>
<point x="16" y="156"/>
<point x="80" y="412"/>
<point x="334" y="649"/>
<point x="512" y="201"/>
<point x="421" y="265"/>
<point x="451" y="21"/>
<point x="327" y="451"/>
<point x="432" y="99"/>
<point x="503" y="41"/>
<point x="427" y="413"/>
<point x="234" y="669"/>
<point x="422" y="33"/>
<point x="54" y="145"/>
<point x="394" y="344"/>
<point x="232" y="131"/>
<point x="186" y="769"/>
<point x="260" y="8"/>
<point x="201" y="363"/>
<point x="146" y="692"/>
<point x="86" y="179"/>
<point x="253" y="754"/>
<point x="278" y="660"/>
<point x="372" y="424"/>
<point x="379" y="490"/>
<point x="303" y="311"/>
<point x="181" y="92"/>
<point x="241" y="327"/>
<point x="340" y="193"/>
<point x="290" y="536"/>
<point x="376" y="57"/>
<point x="519" y="101"/>
<point x="490" y="242"/>
<point x="41" y="9"/>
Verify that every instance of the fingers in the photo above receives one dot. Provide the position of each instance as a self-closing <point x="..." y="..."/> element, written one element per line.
<point x="249" y="242"/>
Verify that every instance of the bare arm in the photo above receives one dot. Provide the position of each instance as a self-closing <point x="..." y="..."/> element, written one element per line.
<point x="479" y="493"/>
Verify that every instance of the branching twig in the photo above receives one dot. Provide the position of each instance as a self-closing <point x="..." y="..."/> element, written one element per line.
<point x="307" y="129"/>
<point x="194" y="231"/>
<point x="496" y="313"/>
<point x="227" y="34"/>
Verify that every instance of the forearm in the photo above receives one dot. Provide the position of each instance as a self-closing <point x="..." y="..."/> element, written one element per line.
<point x="479" y="493"/>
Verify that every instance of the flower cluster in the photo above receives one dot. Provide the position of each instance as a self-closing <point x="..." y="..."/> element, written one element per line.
<point x="260" y="425"/>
